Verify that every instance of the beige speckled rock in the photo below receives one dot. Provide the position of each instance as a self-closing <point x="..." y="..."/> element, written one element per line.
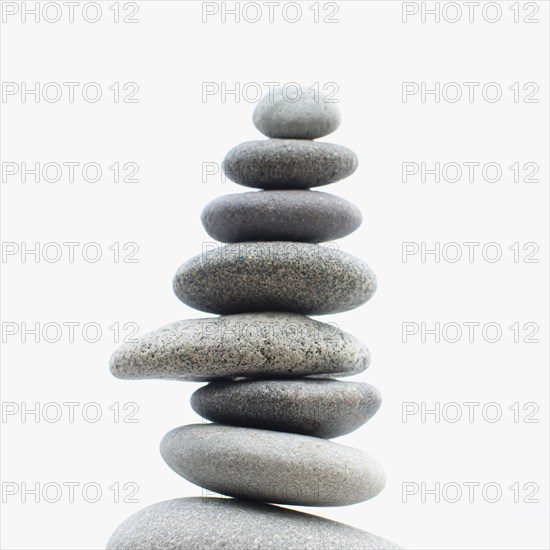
<point x="249" y="344"/>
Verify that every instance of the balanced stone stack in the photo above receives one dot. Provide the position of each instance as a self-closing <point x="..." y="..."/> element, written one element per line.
<point x="272" y="400"/>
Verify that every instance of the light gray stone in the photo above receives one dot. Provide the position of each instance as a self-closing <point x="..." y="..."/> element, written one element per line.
<point x="297" y="113"/>
<point x="231" y="524"/>
<point x="249" y="344"/>
<point x="270" y="466"/>
<point x="321" y="408"/>
<point x="274" y="276"/>
<point x="289" y="215"/>
<point x="288" y="163"/>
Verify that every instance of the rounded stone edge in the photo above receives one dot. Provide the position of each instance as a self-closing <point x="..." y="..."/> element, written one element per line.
<point x="145" y="524"/>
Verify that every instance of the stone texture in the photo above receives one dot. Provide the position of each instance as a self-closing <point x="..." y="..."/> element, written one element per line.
<point x="290" y="215"/>
<point x="271" y="466"/>
<point x="249" y="344"/>
<point x="288" y="163"/>
<point x="274" y="276"/>
<point x="231" y="524"/>
<point x="297" y="113"/>
<point x="321" y="408"/>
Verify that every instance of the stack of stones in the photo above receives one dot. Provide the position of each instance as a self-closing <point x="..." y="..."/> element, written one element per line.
<point x="272" y="400"/>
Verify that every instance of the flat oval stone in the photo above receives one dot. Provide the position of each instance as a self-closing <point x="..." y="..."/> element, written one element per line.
<point x="321" y="408"/>
<point x="271" y="466"/>
<point x="274" y="276"/>
<point x="298" y="113"/>
<point x="288" y="163"/>
<point x="249" y="344"/>
<point x="290" y="215"/>
<point x="230" y="524"/>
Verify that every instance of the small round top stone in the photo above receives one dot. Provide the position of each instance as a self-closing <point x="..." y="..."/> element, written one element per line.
<point x="293" y="112"/>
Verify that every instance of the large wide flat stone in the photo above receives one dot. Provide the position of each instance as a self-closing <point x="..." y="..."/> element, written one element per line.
<point x="274" y="276"/>
<point x="270" y="466"/>
<point x="290" y="215"/>
<point x="288" y="163"/>
<point x="296" y="112"/>
<point x="244" y="345"/>
<point x="231" y="524"/>
<point x="322" y="408"/>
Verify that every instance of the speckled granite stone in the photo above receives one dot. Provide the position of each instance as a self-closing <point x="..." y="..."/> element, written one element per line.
<point x="288" y="163"/>
<point x="249" y="344"/>
<point x="322" y="408"/>
<point x="231" y="524"/>
<point x="298" y="113"/>
<point x="271" y="466"/>
<point x="274" y="276"/>
<point x="290" y="215"/>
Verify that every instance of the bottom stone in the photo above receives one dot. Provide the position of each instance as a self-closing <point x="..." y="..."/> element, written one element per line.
<point x="199" y="523"/>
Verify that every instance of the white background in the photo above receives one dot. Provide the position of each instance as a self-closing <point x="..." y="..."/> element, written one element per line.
<point x="170" y="132"/>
